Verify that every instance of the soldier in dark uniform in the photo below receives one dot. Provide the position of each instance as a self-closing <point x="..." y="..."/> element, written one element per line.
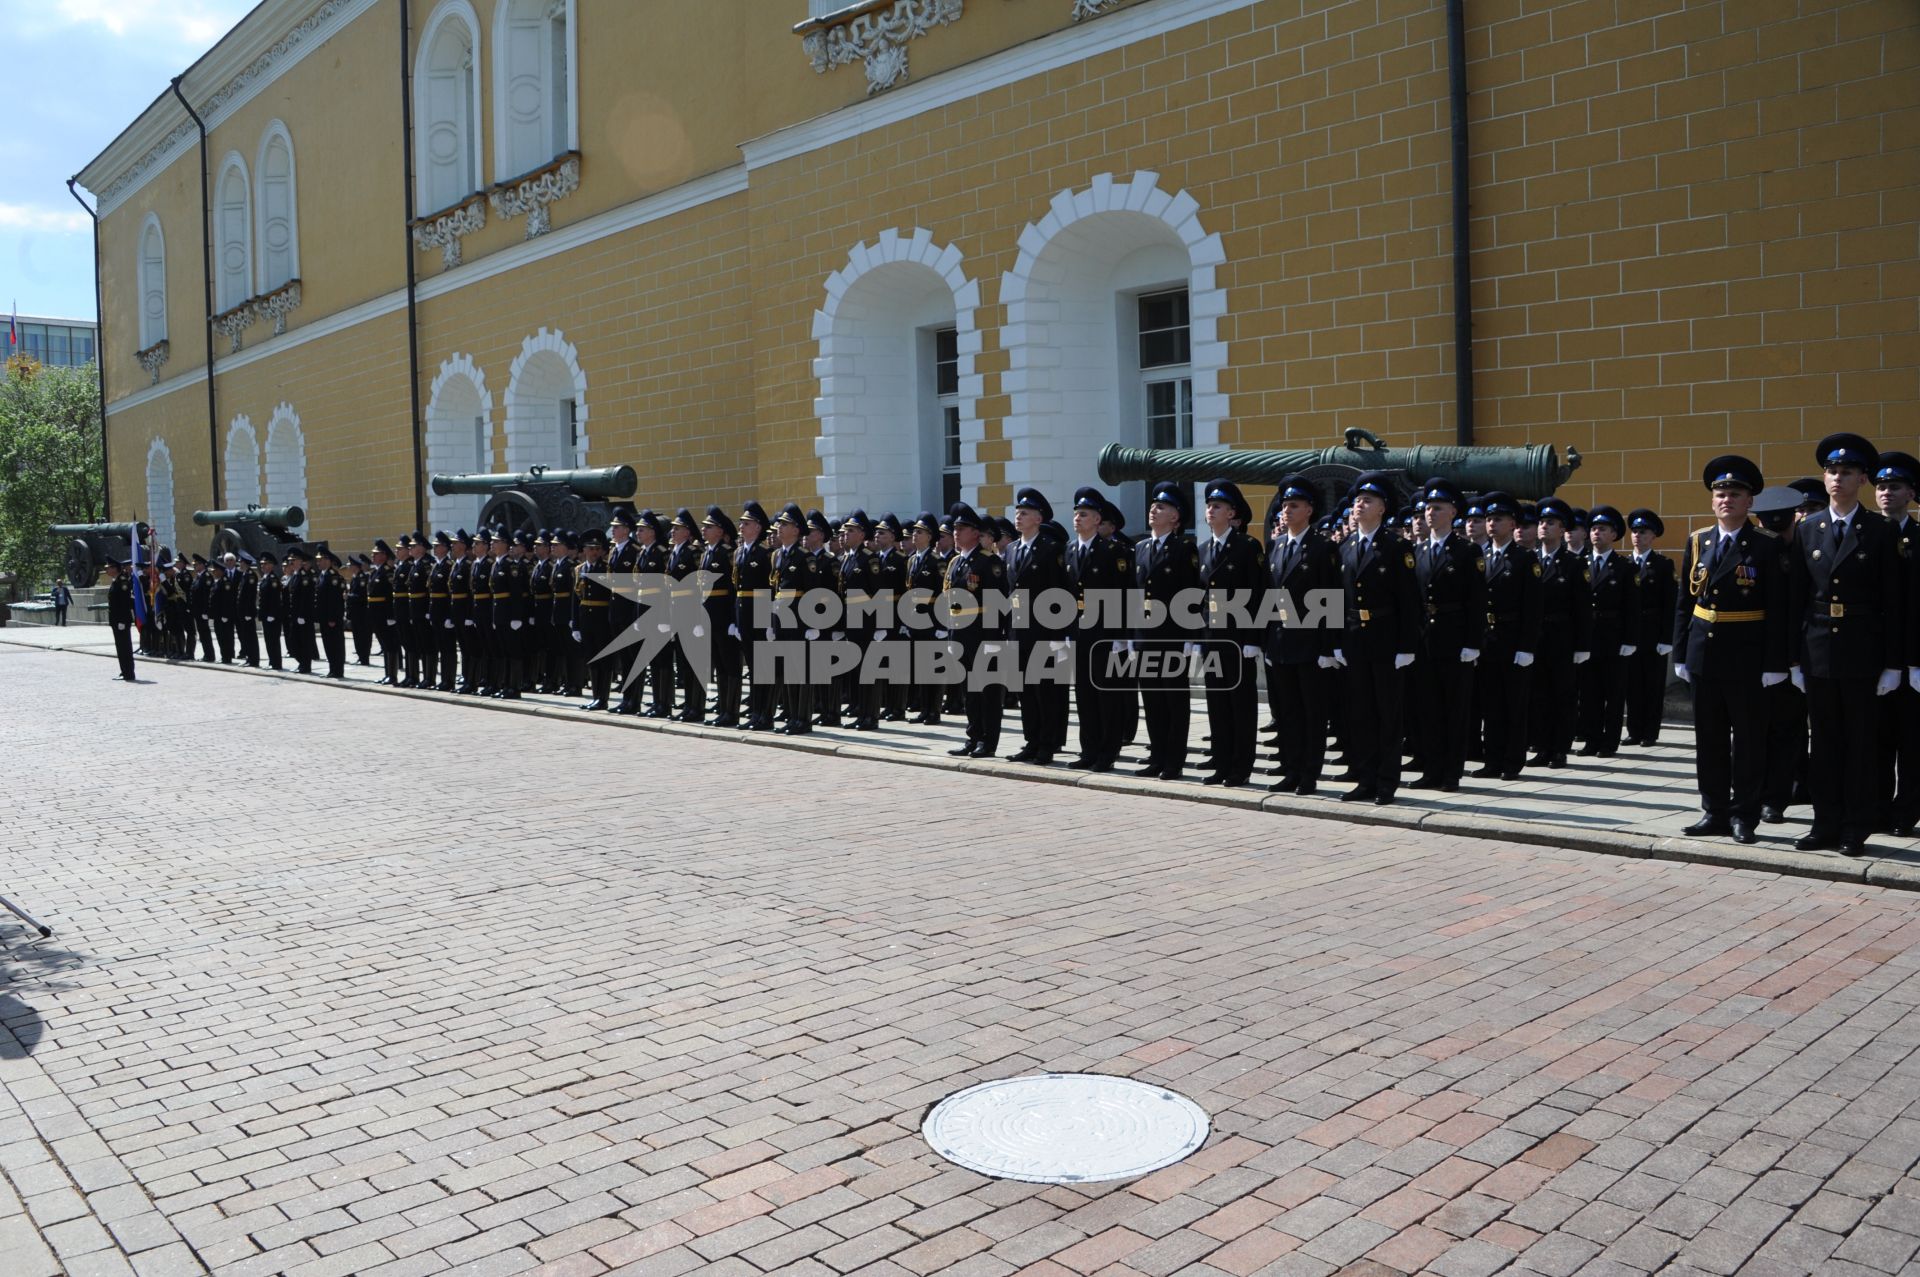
<point x="1615" y="639"/>
<point x="301" y="643"/>
<point x="623" y="557"/>
<point x="1785" y="714"/>
<point x="971" y="576"/>
<point x="592" y="626"/>
<point x="1232" y="570"/>
<point x="794" y="571"/>
<point x="1099" y="570"/>
<point x="460" y="612"/>
<point x="201" y="596"/>
<point x="380" y="610"/>
<point x="1512" y="634"/>
<point x="566" y="664"/>
<point x="245" y="602"/>
<point x="1849" y="605"/>
<point x="683" y="560"/>
<point x="120" y="616"/>
<point x="1730" y="641"/>
<point x="421" y="637"/>
<point x="508" y="583"/>
<point x="1383" y="613"/>
<point x="1647" y="667"/>
<point x="1452" y="575"/>
<point x="650" y="560"/>
<point x="1898" y="775"/>
<point x="752" y="588"/>
<point x="890" y="570"/>
<point x="859" y="588"/>
<point x="479" y="665"/>
<point x="441" y="638"/>
<point x="539" y="607"/>
<point x="1302" y="563"/>
<point x="270" y="597"/>
<point x="357" y="608"/>
<point x="220" y="600"/>
<point x="1035" y="564"/>
<point x="1566" y="627"/>
<point x="723" y="633"/>
<point x="1165" y="563"/>
<point x="817" y="541"/>
<point x="1126" y="688"/>
<point x="402" y="629"/>
<point x="926" y="571"/>
<point x="330" y="612"/>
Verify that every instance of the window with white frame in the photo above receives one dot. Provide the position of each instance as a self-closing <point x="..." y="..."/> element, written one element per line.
<point x="946" y="403"/>
<point x="482" y="448"/>
<point x="446" y="109"/>
<point x="279" y="236"/>
<point x="233" y="232"/>
<point x="153" y="283"/>
<point x="534" y="84"/>
<point x="1166" y="368"/>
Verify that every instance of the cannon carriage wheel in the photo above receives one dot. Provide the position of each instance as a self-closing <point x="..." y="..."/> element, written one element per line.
<point x="227" y="541"/>
<point x="83" y="569"/>
<point x="513" y="511"/>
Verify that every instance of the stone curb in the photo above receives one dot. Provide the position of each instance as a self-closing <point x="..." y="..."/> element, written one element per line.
<point x="1895" y="875"/>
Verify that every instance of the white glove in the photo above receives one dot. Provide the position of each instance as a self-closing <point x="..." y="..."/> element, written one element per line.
<point x="1056" y="645"/>
<point x="449" y="624"/>
<point x="121" y="628"/>
<point x="1251" y="652"/>
<point x="391" y="621"/>
<point x="469" y="624"/>
<point x="1190" y="649"/>
<point x="769" y="633"/>
<point x="837" y="635"/>
<point x="1523" y="659"/>
<point x="699" y="631"/>
<point x="1913" y="678"/>
<point x="301" y="620"/>
<point x="879" y="636"/>
<point x="1663" y="649"/>
<point x="577" y="638"/>
<point x="1680" y="672"/>
<point x="1581" y="658"/>
<point x="1889" y="680"/>
<point x="1628" y="649"/>
<point x="513" y="625"/>
<point x="1339" y="658"/>
<point x="1772" y="680"/>
<point x="989" y="648"/>
<point x="1402" y="659"/>
<point x="1126" y="645"/>
<point x="813" y="634"/>
<point x="940" y="634"/>
<point x="1324" y="662"/>
<point x="733" y="631"/>
<point x="1469" y="655"/>
<point x="1799" y="678"/>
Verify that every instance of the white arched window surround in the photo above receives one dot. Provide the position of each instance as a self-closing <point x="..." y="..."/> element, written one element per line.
<point x="459" y="436"/>
<point x="233" y="234"/>
<point x="243" y="464"/>
<point x="160" y="491"/>
<point x="437" y="90"/>
<point x="531" y="53"/>
<point x="286" y="459"/>
<point x="275" y="266"/>
<point x="153" y="282"/>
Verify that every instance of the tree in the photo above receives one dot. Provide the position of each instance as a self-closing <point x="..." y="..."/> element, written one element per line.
<point x="50" y="463"/>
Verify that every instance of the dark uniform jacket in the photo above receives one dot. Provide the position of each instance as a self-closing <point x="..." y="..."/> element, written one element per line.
<point x="460" y="592"/>
<point x="1314" y="566"/>
<point x="795" y="570"/>
<point x="623" y="558"/>
<point x="329" y="598"/>
<point x="1453" y="583"/>
<point x="1566" y="603"/>
<point x="1616" y="602"/>
<point x="1659" y="589"/>
<point x="859" y="580"/>
<point x="560" y="574"/>
<point x="1235" y="568"/>
<point x="1513" y="603"/>
<point x="440" y="592"/>
<point x="1033" y="569"/>
<point x="752" y="578"/>
<point x="925" y="571"/>
<point x="120" y="602"/>
<point x="716" y="561"/>
<point x="1732" y="621"/>
<point x="272" y="605"/>
<point x="357" y="601"/>
<point x="1849" y="603"/>
<point x="1162" y="569"/>
<point x="1384" y="609"/>
<point x="971" y="576"/>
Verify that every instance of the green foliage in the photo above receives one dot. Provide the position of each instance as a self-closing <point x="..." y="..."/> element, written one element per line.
<point x="50" y="464"/>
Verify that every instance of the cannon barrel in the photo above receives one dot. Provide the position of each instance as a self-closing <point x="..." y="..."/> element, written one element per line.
<point x="618" y="482"/>
<point x="1528" y="472"/>
<point x="278" y="516"/>
<point x="121" y="530"/>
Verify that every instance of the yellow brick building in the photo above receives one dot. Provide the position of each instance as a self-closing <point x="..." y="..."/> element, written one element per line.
<point x="883" y="253"/>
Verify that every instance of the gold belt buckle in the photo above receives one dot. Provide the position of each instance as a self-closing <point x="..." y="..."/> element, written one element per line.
<point x="1365" y="616"/>
<point x="1836" y="610"/>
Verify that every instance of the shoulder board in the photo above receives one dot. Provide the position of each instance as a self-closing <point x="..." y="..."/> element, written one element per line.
<point x="1767" y="532"/>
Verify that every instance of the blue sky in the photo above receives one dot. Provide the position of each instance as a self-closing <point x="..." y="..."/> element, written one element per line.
<point x="77" y="72"/>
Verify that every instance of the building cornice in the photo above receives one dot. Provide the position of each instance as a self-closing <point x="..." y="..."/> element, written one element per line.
<point x="262" y="47"/>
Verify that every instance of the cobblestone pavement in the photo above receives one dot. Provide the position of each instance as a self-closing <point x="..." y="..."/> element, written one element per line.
<point x="347" y="984"/>
<point x="1636" y="804"/>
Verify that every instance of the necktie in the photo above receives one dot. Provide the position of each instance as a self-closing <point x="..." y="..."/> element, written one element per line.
<point x="1839" y="533"/>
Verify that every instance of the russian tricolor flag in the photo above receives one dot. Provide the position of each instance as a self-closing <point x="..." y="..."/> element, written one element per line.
<point x="139" y="578"/>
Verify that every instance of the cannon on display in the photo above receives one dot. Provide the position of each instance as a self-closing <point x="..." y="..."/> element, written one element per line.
<point x="90" y="545"/>
<point x="256" y="529"/>
<point x="1528" y="472"/>
<point x="543" y="498"/>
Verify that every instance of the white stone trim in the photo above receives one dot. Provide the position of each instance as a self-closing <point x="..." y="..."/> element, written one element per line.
<point x="286" y="482"/>
<point x="448" y="440"/>
<point x="233" y="162"/>
<point x="846" y="447"/>
<point x="444" y="12"/>
<point x="149" y="337"/>
<point x="496" y="55"/>
<point x="1040" y="452"/>
<point x="523" y="445"/>
<point x="242" y="457"/>
<point x="1066" y="47"/>
<point x="276" y="129"/>
<point x="878" y="38"/>
<point x="160" y="491"/>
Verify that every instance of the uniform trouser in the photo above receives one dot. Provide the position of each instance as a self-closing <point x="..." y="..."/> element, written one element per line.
<point x="300" y="645"/>
<point x="204" y="625"/>
<point x="693" y="695"/>
<point x="1166" y="704"/>
<point x="1097" y="698"/>
<point x="561" y="675"/>
<point x="1299" y="691"/>
<point x="446" y="646"/>
<point x="423" y="641"/>
<point x="1646" y="693"/>
<point x="223" y="630"/>
<point x="599" y="673"/>
<point x="123" y="650"/>
<point x="270" y="633"/>
<point x="1232" y="701"/>
<point x="1504" y="690"/>
<point x="760" y="692"/>
<point x="726" y="674"/>
<point x="481" y="667"/>
<point x="1126" y="711"/>
<point x="1043" y="705"/>
<point x="1729" y="745"/>
<point x="333" y="639"/>
<point x="1376" y="694"/>
<point x="363" y="643"/>
<point x="863" y="694"/>
<point x="390" y="647"/>
<point x="505" y="659"/>
<point x="1898" y="777"/>
<point x="985" y="706"/>
<point x="1843" y="737"/>
<point x="1603" y="698"/>
<point x="1443" y="696"/>
<point x="1786" y="762"/>
<point x="1554" y="690"/>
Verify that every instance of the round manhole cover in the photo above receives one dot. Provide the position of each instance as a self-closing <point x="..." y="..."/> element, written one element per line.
<point x="1065" y="1128"/>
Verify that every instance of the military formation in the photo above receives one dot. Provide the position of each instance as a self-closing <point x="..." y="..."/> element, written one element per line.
<point x="1475" y="635"/>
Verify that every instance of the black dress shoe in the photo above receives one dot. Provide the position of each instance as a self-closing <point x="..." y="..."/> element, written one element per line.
<point x="1101" y="765"/>
<point x="726" y="722"/>
<point x="1308" y="789"/>
<point x="1743" y="833"/>
<point x="1513" y="775"/>
<point x="1772" y="816"/>
<point x="1447" y="787"/>
<point x="1022" y="755"/>
<point x="1215" y="778"/>
<point x="1238" y="780"/>
<point x="382" y="681"/>
<point x="593" y="707"/>
<point x="1285" y="785"/>
<point x="1150" y="772"/>
<point x="1589" y="751"/>
<point x="1383" y="799"/>
<point x="1900" y="829"/>
<point x="1852" y="847"/>
<point x="1364" y="794"/>
<point x="1173" y="773"/>
<point x="1709" y="827"/>
<point x="1816" y="840"/>
<point x="1486" y="773"/>
<point x="1081" y="764"/>
<point x="962" y="751"/>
